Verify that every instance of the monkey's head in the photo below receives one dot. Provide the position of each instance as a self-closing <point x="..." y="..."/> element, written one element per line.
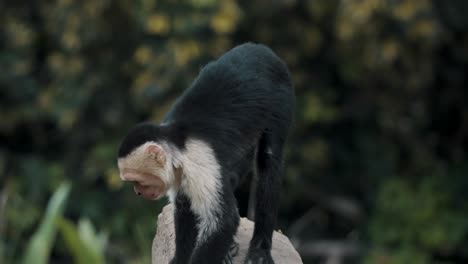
<point x="144" y="162"/>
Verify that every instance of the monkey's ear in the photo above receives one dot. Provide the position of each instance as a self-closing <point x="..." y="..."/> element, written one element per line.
<point x="157" y="153"/>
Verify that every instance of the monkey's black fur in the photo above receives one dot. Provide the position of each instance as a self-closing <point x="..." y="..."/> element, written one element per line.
<point x="242" y="106"/>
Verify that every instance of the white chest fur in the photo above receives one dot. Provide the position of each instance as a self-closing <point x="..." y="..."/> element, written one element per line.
<point x="201" y="182"/>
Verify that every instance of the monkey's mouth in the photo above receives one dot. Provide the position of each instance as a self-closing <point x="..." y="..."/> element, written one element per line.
<point x="151" y="196"/>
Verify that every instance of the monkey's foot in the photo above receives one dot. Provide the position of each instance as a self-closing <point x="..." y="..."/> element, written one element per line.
<point x="233" y="250"/>
<point x="259" y="256"/>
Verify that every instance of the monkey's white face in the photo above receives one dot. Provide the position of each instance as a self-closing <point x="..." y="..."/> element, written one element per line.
<point x="146" y="167"/>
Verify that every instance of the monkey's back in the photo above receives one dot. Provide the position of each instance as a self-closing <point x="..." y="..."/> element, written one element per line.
<point x="237" y="97"/>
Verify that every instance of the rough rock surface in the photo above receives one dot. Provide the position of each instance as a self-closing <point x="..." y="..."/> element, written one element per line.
<point x="164" y="244"/>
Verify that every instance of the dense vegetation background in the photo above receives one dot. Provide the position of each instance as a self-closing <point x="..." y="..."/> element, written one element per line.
<point x="376" y="166"/>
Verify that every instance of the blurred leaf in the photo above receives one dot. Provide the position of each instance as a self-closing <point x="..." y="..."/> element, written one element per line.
<point x="41" y="243"/>
<point x="226" y="20"/>
<point x="158" y="24"/>
<point x="85" y="245"/>
<point x="204" y="3"/>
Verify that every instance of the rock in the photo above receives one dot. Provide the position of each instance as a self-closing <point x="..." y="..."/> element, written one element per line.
<point x="164" y="245"/>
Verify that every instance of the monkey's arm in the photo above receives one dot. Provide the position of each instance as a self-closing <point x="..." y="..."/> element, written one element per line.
<point x="214" y="247"/>
<point x="185" y="229"/>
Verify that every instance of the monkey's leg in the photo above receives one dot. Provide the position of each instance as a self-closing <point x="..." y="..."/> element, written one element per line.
<point x="270" y="170"/>
<point x="185" y="229"/>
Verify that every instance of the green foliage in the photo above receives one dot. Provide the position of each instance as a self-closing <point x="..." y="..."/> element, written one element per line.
<point x="416" y="220"/>
<point x="406" y="254"/>
<point x="84" y="243"/>
<point x="42" y="241"/>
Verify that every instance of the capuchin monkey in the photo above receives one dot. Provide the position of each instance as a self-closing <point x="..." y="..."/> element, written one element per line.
<point x="232" y="121"/>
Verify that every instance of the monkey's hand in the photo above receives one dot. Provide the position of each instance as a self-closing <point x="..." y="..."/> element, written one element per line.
<point x="173" y="260"/>
<point x="233" y="250"/>
<point x="258" y="256"/>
